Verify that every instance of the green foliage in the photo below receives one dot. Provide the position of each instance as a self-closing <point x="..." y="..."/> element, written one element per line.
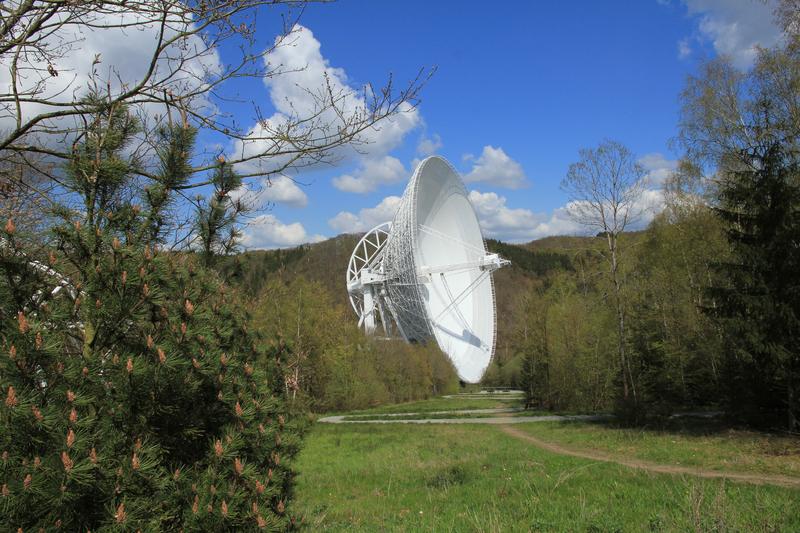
<point x="534" y="345"/>
<point x="250" y="270"/>
<point x="564" y="331"/>
<point x="217" y="218"/>
<point x="538" y="263"/>
<point x="329" y="364"/>
<point x="758" y="294"/>
<point x="134" y="396"/>
<point x="745" y="126"/>
<point x="676" y="347"/>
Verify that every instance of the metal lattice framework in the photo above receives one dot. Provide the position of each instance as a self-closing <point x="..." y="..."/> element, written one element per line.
<point x="367" y="257"/>
<point x="403" y="292"/>
<point x="388" y="286"/>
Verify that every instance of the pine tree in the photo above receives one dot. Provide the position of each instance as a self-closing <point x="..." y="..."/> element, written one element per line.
<point x="758" y="300"/>
<point x="217" y="218"/>
<point x="133" y="396"/>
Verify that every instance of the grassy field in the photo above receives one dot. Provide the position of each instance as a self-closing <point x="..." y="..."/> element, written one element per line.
<point x="477" y="478"/>
<point x="692" y="445"/>
<point x="427" y="416"/>
<point x="443" y="404"/>
<point x="455" y="414"/>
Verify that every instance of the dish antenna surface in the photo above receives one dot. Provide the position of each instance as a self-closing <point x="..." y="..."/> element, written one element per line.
<point x="427" y="273"/>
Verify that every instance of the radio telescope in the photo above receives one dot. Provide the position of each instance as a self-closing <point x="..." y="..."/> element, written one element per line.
<point x="427" y="273"/>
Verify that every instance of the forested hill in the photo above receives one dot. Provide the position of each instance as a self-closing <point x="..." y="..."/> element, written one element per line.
<point x="326" y="263"/>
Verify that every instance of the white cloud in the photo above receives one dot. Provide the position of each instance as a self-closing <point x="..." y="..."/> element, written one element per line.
<point x="499" y="221"/>
<point x="429" y="145"/>
<point x="371" y="174"/>
<point x="658" y="168"/>
<point x="124" y="56"/>
<point x="277" y="190"/>
<point x="367" y="218"/>
<point x="639" y="213"/>
<point x="302" y="76"/>
<point x="736" y="28"/>
<point x="649" y="205"/>
<point x="266" y="232"/>
<point x="495" y="167"/>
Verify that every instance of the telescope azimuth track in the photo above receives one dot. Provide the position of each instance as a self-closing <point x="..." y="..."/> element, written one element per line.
<point x="427" y="274"/>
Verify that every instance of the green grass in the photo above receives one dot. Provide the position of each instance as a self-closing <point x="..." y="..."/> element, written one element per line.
<point x="452" y="414"/>
<point x="694" y="443"/>
<point x="447" y="414"/>
<point x="476" y="478"/>
<point x="429" y="416"/>
<point x="442" y="404"/>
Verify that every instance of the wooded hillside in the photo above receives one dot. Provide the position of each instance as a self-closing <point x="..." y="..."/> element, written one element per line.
<point x="326" y="262"/>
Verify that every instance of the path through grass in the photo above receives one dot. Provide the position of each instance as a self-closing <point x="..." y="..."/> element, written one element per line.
<point x="477" y="478"/>
<point x="691" y="444"/>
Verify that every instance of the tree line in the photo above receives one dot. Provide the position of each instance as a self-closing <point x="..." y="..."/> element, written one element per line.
<point x="702" y="308"/>
<point x="330" y="365"/>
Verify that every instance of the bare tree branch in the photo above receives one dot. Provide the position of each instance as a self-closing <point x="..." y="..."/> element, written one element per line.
<point x="181" y="75"/>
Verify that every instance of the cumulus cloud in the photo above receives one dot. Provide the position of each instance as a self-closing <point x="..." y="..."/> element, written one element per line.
<point x="277" y="190"/>
<point x="499" y="221"/>
<point x="658" y="168"/>
<point x="495" y="167"/>
<point x="267" y="232"/>
<point x="302" y="78"/>
<point x="429" y="145"/>
<point x="367" y="218"/>
<point x="371" y="174"/>
<point x="736" y="28"/>
<point x="496" y="218"/>
<point x="650" y="204"/>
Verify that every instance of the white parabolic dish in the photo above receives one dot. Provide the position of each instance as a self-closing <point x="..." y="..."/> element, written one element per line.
<point x="428" y="273"/>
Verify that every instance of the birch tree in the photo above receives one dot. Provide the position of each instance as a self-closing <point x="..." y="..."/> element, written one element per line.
<point x="605" y="188"/>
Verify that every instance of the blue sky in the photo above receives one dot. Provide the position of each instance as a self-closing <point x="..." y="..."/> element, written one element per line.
<point x="519" y="89"/>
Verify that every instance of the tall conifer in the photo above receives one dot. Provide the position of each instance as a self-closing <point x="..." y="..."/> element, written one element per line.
<point x="133" y="396"/>
<point x="759" y="297"/>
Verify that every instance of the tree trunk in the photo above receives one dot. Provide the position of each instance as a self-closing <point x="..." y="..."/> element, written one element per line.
<point x="627" y="377"/>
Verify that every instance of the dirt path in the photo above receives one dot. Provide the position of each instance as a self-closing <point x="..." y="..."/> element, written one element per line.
<point x="504" y="417"/>
<point x="758" y="479"/>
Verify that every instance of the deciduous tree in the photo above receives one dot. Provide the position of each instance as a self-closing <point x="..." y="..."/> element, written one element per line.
<point x="605" y="188"/>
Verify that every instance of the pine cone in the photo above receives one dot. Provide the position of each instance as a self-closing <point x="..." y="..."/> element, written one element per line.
<point x="66" y="461"/>
<point x="120" y="514"/>
<point x="11" y="398"/>
<point x="23" y="323"/>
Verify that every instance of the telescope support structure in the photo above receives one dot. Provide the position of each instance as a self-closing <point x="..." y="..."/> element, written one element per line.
<point x="368" y="280"/>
